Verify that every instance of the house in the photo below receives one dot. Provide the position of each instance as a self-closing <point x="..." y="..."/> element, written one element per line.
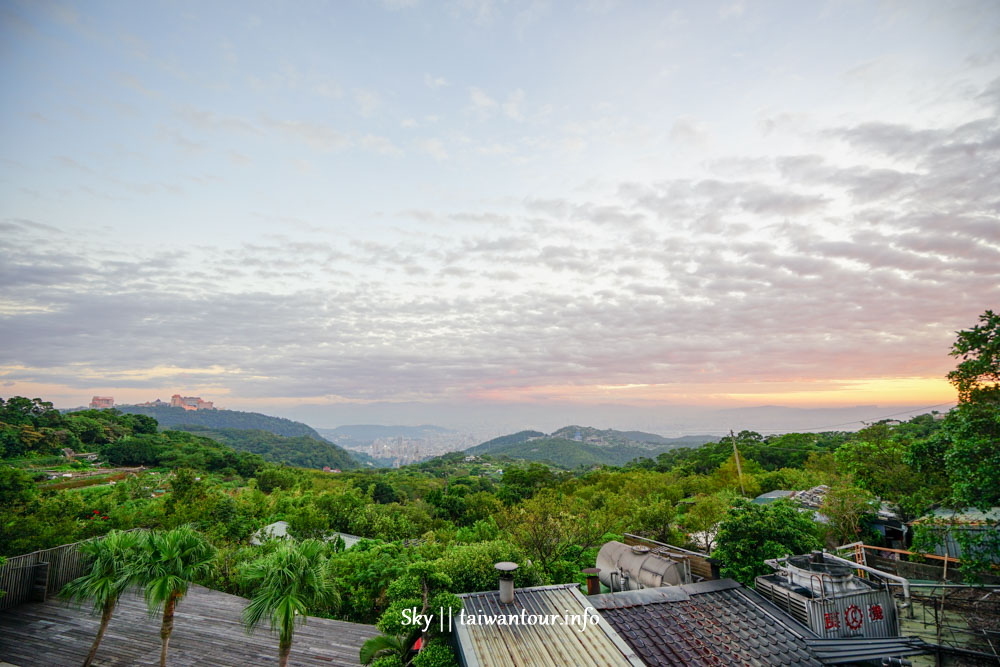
<point x="514" y="634"/>
<point x="190" y="403"/>
<point x="887" y="521"/>
<point x="957" y="526"/>
<point x="102" y="402"/>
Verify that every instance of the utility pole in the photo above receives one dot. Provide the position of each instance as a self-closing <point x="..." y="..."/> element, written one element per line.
<point x="736" y="453"/>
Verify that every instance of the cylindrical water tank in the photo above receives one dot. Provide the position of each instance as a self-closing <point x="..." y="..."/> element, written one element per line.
<point x="638" y="568"/>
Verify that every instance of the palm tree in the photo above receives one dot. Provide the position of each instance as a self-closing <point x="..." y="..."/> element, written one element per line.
<point x="384" y="645"/>
<point x="168" y="562"/>
<point x="109" y="577"/>
<point x="289" y="582"/>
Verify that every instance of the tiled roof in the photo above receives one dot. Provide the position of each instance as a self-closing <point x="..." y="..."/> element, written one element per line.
<point x="538" y="645"/>
<point x="708" y="623"/>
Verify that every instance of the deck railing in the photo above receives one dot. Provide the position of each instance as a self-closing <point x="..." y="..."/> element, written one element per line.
<point x="34" y="577"/>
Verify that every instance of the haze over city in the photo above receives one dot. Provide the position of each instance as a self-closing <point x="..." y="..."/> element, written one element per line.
<point x="490" y="214"/>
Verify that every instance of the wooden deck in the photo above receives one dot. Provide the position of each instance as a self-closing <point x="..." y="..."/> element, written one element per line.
<point x="207" y="631"/>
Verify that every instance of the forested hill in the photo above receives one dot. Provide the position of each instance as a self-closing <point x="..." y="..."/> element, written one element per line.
<point x="302" y="451"/>
<point x="611" y="437"/>
<point x="222" y="419"/>
<point x="504" y="440"/>
<point x="574" y="446"/>
<point x="562" y="453"/>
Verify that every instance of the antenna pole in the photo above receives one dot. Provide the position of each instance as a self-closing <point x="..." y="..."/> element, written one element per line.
<point x="736" y="454"/>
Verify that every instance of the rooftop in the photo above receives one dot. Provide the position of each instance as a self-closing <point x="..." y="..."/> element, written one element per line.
<point x="207" y="631"/>
<point x="280" y="529"/>
<point x="970" y="515"/>
<point x="708" y="623"/>
<point x="549" y="645"/>
<point x="765" y="498"/>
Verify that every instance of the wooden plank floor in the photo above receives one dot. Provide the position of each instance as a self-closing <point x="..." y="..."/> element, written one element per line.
<point x="207" y="631"/>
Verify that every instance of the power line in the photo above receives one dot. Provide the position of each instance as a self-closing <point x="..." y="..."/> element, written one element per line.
<point x="856" y="421"/>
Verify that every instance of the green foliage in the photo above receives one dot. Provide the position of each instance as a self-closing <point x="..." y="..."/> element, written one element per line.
<point x="470" y="567"/>
<point x="971" y="432"/>
<point x="977" y="376"/>
<point x="564" y="453"/>
<point x="270" y="478"/>
<point x="702" y="518"/>
<point x="847" y="506"/>
<point x="169" y="417"/>
<point x="979" y="544"/>
<point x="436" y="653"/>
<point x="751" y="534"/>
<point x="879" y="461"/>
<point x="512" y="439"/>
<point x="167" y="563"/>
<point x="553" y="529"/>
<point x="109" y="576"/>
<point x="17" y="487"/>
<point x="384" y="650"/>
<point x="303" y="451"/>
<point x="288" y="583"/>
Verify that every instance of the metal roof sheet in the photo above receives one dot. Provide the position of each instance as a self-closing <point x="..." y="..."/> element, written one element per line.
<point x="709" y="623"/>
<point x="542" y="645"/>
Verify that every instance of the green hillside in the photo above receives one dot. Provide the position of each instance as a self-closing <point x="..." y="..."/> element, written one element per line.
<point x="611" y="437"/>
<point x="512" y="439"/>
<point x="222" y="419"/>
<point x="563" y="453"/>
<point x="301" y="451"/>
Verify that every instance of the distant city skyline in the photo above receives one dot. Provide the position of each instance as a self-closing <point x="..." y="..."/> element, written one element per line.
<point x="494" y="212"/>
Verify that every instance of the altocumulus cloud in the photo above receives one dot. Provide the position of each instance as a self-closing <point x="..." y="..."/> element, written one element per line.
<point x="800" y="266"/>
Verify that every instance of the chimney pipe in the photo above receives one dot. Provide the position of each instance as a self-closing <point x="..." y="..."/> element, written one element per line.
<point x="506" y="570"/>
<point x="593" y="582"/>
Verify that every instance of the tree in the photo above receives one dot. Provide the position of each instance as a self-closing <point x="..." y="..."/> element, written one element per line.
<point x="167" y="564"/>
<point x="878" y="461"/>
<point x="977" y="376"/>
<point x="289" y="582"/>
<point x="846" y="506"/>
<point x="751" y="534"/>
<point x="702" y="518"/>
<point x="109" y="577"/>
<point x="551" y="526"/>
<point x="967" y="445"/>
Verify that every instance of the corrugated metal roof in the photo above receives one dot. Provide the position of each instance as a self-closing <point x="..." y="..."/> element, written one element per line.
<point x="852" y="651"/>
<point x="970" y="515"/>
<point x="543" y="645"/>
<point x="709" y="623"/>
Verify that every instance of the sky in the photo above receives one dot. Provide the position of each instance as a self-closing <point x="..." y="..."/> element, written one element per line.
<point x="477" y="209"/>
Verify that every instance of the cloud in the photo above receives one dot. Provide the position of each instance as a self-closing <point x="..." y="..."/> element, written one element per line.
<point x="732" y="10"/>
<point x="481" y="103"/>
<point x="368" y="102"/>
<point x="379" y="144"/>
<point x="315" y="135"/>
<point x="512" y="107"/>
<point x="435" y="82"/>
<point x="435" y="148"/>
<point x="857" y="262"/>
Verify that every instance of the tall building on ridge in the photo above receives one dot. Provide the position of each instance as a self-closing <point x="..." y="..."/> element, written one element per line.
<point x="190" y="403"/>
<point x="102" y="402"/>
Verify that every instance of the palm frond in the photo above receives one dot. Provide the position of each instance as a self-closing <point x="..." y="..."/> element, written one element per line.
<point x="381" y="645"/>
